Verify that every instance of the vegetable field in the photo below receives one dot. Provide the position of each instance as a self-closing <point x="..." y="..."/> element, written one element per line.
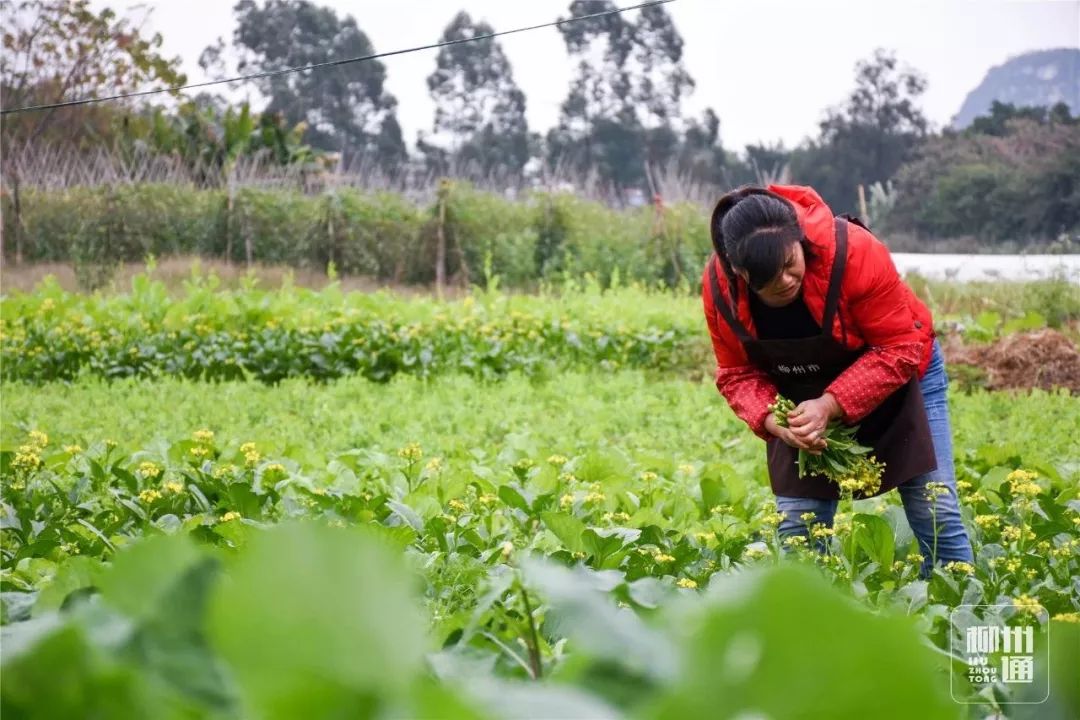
<point x="297" y="503"/>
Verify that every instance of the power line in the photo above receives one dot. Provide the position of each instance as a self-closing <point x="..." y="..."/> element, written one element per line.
<point x="329" y="63"/>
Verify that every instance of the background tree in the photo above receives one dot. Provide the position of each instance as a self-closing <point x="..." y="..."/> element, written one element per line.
<point x="701" y="156"/>
<point x="996" y="122"/>
<point x="869" y="137"/>
<point x="1017" y="181"/>
<point x="58" y="50"/>
<point x="659" y="82"/>
<point x="346" y="109"/>
<point x="479" y="109"/>
<point x="623" y="109"/>
<point x="208" y="136"/>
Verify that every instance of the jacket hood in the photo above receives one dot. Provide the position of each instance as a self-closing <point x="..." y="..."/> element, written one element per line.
<point x="814" y="215"/>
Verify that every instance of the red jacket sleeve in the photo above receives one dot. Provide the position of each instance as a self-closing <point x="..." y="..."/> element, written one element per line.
<point x="747" y="389"/>
<point x="877" y="305"/>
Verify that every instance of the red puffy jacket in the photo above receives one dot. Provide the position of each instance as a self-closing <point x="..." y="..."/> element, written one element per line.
<point x="879" y="310"/>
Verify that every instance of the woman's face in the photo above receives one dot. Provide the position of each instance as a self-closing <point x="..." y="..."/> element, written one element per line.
<point x="783" y="288"/>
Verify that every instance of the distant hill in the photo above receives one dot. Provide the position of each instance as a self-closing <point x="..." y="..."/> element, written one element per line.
<point x="1042" y="77"/>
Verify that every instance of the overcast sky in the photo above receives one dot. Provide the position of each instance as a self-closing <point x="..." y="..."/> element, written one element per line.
<point x="769" y="68"/>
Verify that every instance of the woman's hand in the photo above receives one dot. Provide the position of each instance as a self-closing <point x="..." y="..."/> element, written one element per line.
<point x="807" y="422"/>
<point x="814" y="447"/>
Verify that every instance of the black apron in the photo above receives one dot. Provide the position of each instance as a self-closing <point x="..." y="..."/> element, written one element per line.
<point x="897" y="430"/>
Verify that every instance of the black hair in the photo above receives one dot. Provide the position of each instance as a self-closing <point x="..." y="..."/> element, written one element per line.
<point x="752" y="229"/>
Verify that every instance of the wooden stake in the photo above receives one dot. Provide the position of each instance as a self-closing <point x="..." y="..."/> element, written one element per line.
<point x="440" y="241"/>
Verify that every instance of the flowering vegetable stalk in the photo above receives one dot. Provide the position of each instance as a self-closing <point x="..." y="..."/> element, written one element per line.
<point x="843" y="461"/>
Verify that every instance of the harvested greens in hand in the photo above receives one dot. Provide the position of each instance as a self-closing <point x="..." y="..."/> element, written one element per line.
<point x="843" y="461"/>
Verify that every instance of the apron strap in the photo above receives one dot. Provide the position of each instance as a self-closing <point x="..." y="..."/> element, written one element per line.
<point x="836" y="278"/>
<point x="719" y="302"/>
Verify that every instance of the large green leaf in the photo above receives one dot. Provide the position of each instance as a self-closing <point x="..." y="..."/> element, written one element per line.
<point x="318" y="622"/>
<point x="782" y="643"/>
<point x="582" y="609"/>
<point x="142" y="575"/>
<point x="875" y="537"/>
<point x="567" y="528"/>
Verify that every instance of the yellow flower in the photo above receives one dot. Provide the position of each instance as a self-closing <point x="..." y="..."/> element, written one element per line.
<point x="1028" y="604"/>
<point x="1068" y="617"/>
<point x="987" y="522"/>
<point x="411" y="452"/>
<point x="935" y="490"/>
<point x="230" y="516"/>
<point x="963" y="485"/>
<point x="273" y="469"/>
<point x="149" y="470"/>
<point x="662" y="557"/>
<point x="27" y="458"/>
<point x="173" y="487"/>
<point x="915" y="558"/>
<point x="1013" y="533"/>
<point x="433" y="465"/>
<point x="686" y="469"/>
<point x="203" y="436"/>
<point x="458" y="506"/>
<point x="248" y="447"/>
<point x="567" y="478"/>
<point x="199" y="451"/>
<point x="566" y="500"/>
<point x="960" y="567"/>
<point x="487" y="499"/>
<point x="1022" y="482"/>
<point x="595" y="497"/>
<point x="795" y="541"/>
<point x="753" y="553"/>
<point x="721" y="509"/>
<point x="705" y="536"/>
<point x="38" y="438"/>
<point x="72" y="449"/>
<point x="808" y="517"/>
<point x="686" y="583"/>
<point x="1017" y="476"/>
<point x="557" y="460"/>
<point x="150" y="495"/>
<point x="222" y="470"/>
<point x="772" y="519"/>
<point x="507" y="548"/>
<point x="820" y="531"/>
<point x="1012" y="565"/>
<point x="648" y="476"/>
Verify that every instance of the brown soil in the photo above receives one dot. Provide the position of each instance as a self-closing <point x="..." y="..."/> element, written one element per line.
<point x="1043" y="359"/>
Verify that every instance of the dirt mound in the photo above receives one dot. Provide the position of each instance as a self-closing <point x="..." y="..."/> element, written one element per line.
<point x="1043" y="359"/>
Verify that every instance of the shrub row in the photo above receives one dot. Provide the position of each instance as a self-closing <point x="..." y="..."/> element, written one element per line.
<point x="382" y="235"/>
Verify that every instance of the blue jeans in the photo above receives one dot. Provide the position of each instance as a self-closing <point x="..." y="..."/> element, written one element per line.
<point x="952" y="541"/>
